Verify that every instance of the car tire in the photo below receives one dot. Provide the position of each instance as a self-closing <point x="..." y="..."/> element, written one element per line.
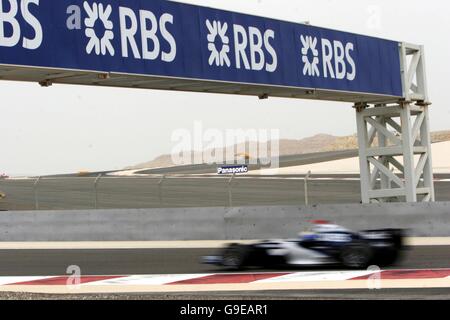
<point x="389" y="258"/>
<point x="235" y="257"/>
<point x="356" y="255"/>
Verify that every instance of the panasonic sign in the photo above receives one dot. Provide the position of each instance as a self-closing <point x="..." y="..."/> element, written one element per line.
<point x="170" y="39"/>
<point x="232" y="169"/>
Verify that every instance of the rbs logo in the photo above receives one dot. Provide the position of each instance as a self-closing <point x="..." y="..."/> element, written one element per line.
<point x="336" y="59"/>
<point x="152" y="31"/>
<point x="10" y="30"/>
<point x="253" y="49"/>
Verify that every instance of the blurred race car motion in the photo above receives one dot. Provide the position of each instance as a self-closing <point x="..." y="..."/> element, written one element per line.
<point x="326" y="244"/>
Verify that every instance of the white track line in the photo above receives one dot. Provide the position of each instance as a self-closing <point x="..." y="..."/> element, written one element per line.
<point x="436" y="241"/>
<point x="317" y="276"/>
<point x="117" y="245"/>
<point x="148" y="280"/>
<point x="104" y="245"/>
<point x="8" y="280"/>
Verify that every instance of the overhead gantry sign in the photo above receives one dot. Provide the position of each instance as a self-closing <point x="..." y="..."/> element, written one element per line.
<point x="172" y="46"/>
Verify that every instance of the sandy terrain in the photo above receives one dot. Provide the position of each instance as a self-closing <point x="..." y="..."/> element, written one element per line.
<point x="440" y="154"/>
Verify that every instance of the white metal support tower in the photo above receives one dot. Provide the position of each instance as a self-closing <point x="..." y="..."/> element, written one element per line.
<point x="394" y="139"/>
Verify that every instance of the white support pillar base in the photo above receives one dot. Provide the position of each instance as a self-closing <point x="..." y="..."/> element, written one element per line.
<point x="395" y="153"/>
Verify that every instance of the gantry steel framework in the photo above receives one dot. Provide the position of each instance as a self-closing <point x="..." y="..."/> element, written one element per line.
<point x="394" y="139"/>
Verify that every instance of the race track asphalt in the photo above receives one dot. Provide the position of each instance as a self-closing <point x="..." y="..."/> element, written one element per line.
<point x="160" y="261"/>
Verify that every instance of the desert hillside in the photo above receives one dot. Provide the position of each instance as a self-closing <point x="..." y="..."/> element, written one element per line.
<point x="317" y="143"/>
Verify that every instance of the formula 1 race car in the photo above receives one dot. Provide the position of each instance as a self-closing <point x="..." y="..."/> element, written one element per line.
<point x="327" y="244"/>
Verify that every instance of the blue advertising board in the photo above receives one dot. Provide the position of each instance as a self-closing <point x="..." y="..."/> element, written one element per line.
<point x="170" y="39"/>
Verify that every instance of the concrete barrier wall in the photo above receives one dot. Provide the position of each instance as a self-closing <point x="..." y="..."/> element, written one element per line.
<point x="430" y="219"/>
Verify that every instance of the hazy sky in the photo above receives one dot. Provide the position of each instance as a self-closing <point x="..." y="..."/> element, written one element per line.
<point x="70" y="128"/>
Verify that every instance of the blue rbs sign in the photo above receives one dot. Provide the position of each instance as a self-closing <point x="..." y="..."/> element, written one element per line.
<point x="164" y="38"/>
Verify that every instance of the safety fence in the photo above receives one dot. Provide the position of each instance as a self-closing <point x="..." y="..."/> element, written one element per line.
<point x="105" y="192"/>
<point x="171" y="191"/>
